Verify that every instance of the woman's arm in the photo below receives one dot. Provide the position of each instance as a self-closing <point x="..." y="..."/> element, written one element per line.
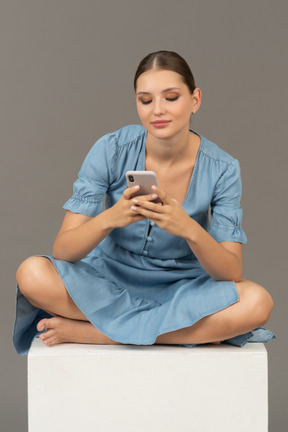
<point x="80" y="234"/>
<point x="223" y="261"/>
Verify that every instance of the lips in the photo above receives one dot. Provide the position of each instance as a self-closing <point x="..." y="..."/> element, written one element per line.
<point x="160" y="122"/>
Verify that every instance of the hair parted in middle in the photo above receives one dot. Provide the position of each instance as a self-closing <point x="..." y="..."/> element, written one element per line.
<point x="167" y="60"/>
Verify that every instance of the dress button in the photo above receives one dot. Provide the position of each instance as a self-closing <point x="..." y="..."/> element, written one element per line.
<point x="145" y="252"/>
<point x="152" y="223"/>
<point x="149" y="239"/>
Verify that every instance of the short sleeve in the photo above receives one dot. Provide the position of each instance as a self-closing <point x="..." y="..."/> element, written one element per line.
<point x="93" y="180"/>
<point x="226" y="211"/>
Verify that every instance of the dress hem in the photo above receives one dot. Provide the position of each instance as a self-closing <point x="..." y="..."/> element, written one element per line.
<point x="151" y="339"/>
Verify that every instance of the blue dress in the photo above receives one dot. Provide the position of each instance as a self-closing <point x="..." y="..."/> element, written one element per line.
<point x="141" y="281"/>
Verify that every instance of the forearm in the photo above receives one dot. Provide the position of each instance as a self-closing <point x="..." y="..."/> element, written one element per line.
<point x="80" y="234"/>
<point x="74" y="244"/>
<point x="218" y="262"/>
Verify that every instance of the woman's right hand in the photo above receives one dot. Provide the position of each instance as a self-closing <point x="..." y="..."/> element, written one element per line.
<point x="80" y="234"/>
<point x="120" y="214"/>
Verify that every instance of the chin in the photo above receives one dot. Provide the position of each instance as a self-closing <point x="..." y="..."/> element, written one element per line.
<point x="165" y="133"/>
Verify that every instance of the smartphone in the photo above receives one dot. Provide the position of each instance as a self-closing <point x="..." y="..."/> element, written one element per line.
<point x="144" y="179"/>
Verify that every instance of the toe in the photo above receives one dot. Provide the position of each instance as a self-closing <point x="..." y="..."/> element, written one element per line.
<point x="50" y="341"/>
<point x="45" y="324"/>
<point x="46" y="335"/>
<point x="41" y="326"/>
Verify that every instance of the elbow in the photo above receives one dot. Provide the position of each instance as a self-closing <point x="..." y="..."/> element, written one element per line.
<point x="236" y="276"/>
<point x="56" y="252"/>
<point x="232" y="278"/>
<point x="237" y="279"/>
<point x="59" y="254"/>
<point x="238" y="272"/>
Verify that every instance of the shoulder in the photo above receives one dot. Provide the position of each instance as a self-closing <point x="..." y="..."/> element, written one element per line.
<point x="111" y="144"/>
<point x="217" y="163"/>
<point x="123" y="136"/>
<point x="114" y="148"/>
<point x="213" y="152"/>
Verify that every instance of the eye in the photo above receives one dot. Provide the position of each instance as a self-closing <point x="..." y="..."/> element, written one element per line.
<point x="145" y="102"/>
<point x="172" y="99"/>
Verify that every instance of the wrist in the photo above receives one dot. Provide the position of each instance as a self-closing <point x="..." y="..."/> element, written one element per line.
<point x="191" y="234"/>
<point x="105" y="221"/>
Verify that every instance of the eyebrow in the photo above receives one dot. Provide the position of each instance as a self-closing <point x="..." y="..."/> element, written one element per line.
<point x="163" y="91"/>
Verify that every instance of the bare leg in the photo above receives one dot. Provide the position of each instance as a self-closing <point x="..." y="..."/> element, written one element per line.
<point x="251" y="311"/>
<point x="40" y="283"/>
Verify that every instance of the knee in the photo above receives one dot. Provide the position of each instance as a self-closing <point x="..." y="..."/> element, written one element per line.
<point x="257" y="303"/>
<point x="29" y="274"/>
<point x="262" y="305"/>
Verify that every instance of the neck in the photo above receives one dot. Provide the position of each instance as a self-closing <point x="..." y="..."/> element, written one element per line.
<point x="169" y="150"/>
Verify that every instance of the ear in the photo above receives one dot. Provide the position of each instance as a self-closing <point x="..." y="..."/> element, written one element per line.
<point x="196" y="100"/>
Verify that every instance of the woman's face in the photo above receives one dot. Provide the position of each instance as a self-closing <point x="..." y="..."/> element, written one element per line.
<point x="164" y="103"/>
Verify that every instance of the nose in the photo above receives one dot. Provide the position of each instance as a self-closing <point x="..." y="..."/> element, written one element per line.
<point x="159" y="107"/>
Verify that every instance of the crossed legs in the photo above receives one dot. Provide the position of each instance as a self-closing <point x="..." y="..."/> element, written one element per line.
<point x="40" y="283"/>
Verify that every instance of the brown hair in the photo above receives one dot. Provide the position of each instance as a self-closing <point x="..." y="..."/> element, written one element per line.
<point x="168" y="60"/>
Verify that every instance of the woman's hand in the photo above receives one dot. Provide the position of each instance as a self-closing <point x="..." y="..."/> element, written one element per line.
<point x="121" y="214"/>
<point x="80" y="234"/>
<point x="223" y="261"/>
<point x="169" y="216"/>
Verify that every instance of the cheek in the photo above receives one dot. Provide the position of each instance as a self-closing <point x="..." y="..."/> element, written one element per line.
<point x="142" y="112"/>
<point x="183" y="111"/>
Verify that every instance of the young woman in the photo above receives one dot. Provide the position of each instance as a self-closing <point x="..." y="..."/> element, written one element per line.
<point x="137" y="272"/>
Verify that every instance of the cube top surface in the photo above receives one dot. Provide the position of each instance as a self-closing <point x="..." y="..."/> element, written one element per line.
<point x="38" y="349"/>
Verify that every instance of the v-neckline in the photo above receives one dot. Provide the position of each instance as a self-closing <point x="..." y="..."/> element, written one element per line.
<point x="195" y="168"/>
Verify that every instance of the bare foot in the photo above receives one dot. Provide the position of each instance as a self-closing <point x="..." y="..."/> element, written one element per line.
<point x="61" y="330"/>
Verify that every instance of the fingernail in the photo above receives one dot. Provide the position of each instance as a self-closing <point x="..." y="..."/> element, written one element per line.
<point x="133" y="208"/>
<point x="153" y="187"/>
<point x="136" y="187"/>
<point x="135" y="201"/>
<point x="41" y="327"/>
<point x="154" y="196"/>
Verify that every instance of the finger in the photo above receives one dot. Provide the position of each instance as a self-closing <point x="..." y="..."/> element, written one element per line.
<point x="144" y="198"/>
<point x="149" y="214"/>
<point x="138" y="217"/>
<point x="149" y="205"/>
<point x="161" y="194"/>
<point x="130" y="191"/>
<point x="150" y="197"/>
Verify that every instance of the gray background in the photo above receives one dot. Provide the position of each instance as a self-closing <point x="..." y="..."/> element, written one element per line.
<point x="66" y="71"/>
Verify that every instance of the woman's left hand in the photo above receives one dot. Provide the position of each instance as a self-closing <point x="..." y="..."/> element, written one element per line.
<point x="222" y="261"/>
<point x="170" y="216"/>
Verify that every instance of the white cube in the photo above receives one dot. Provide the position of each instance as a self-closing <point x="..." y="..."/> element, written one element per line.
<point x="125" y="388"/>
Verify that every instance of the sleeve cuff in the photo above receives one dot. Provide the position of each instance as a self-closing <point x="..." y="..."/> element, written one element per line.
<point x="224" y="233"/>
<point x="84" y="206"/>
